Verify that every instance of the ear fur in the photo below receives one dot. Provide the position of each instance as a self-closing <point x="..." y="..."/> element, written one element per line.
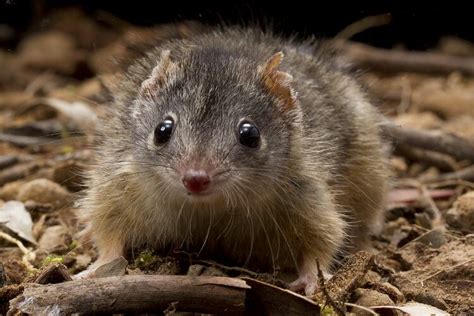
<point x="278" y="82"/>
<point x="161" y="74"/>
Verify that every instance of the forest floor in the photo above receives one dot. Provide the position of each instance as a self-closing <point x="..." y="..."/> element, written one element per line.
<point x="51" y="94"/>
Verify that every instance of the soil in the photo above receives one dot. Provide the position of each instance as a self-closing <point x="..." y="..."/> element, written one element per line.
<point x="424" y="254"/>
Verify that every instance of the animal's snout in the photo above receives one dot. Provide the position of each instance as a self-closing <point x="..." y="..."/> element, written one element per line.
<point x="196" y="181"/>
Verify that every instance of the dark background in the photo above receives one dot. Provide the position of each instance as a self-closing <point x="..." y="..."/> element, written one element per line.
<point x="416" y="24"/>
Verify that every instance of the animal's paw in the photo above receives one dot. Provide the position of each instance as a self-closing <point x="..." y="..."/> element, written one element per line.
<point x="307" y="283"/>
<point x="86" y="274"/>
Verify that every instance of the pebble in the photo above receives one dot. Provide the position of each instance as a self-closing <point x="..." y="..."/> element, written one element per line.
<point x="461" y="215"/>
<point x="44" y="191"/>
<point x="54" y="238"/>
<point x="369" y="298"/>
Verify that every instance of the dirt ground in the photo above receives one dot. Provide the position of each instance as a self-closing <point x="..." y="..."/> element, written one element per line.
<point x="53" y="86"/>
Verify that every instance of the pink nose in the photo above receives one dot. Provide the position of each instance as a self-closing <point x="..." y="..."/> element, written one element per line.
<point x="196" y="181"/>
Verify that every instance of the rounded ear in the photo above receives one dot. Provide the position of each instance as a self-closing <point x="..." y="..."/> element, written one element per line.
<point x="278" y="83"/>
<point x="163" y="73"/>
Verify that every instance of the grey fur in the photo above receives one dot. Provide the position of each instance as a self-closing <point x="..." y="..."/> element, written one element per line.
<point x="315" y="187"/>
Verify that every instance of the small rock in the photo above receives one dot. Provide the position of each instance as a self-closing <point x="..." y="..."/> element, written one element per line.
<point x="434" y="238"/>
<point x="195" y="270"/>
<point x="461" y="216"/>
<point x="116" y="267"/>
<point x="54" y="238"/>
<point x="44" y="191"/>
<point x="10" y="190"/>
<point x="369" y="298"/>
<point x="393" y="292"/>
<point x="372" y="277"/>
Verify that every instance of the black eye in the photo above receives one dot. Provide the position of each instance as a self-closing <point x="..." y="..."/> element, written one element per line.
<point x="249" y="135"/>
<point x="163" y="131"/>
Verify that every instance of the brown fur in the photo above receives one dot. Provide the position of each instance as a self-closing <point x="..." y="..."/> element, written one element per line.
<point x="314" y="188"/>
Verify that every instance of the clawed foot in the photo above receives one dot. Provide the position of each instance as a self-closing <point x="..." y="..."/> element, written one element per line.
<point x="86" y="274"/>
<point x="307" y="283"/>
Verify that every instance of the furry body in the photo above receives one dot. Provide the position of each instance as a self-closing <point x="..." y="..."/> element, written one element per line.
<point x="314" y="188"/>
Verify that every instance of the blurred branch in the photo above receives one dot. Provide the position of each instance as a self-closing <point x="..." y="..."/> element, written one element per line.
<point x="363" y="25"/>
<point x="390" y="60"/>
<point x="452" y="145"/>
<point x="136" y="294"/>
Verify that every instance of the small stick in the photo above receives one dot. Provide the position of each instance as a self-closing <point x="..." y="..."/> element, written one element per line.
<point x="441" y="161"/>
<point x="363" y="25"/>
<point x="466" y="174"/>
<point x="135" y="294"/>
<point x="362" y="308"/>
<point x="338" y="309"/>
<point x="396" y="61"/>
<point x="26" y="252"/>
<point x="452" y="145"/>
<point x="447" y="269"/>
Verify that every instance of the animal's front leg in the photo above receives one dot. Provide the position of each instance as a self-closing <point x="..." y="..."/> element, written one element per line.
<point x="307" y="281"/>
<point x="109" y="248"/>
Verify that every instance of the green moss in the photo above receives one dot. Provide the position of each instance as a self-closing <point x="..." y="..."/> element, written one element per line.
<point x="145" y="260"/>
<point x="52" y="259"/>
<point x="73" y="245"/>
<point x="327" y="311"/>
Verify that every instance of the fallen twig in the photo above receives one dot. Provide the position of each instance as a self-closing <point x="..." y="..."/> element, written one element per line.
<point x="27" y="253"/>
<point x="137" y="294"/>
<point x="340" y="310"/>
<point x="266" y="299"/>
<point x="346" y="279"/>
<point x="17" y="172"/>
<point x="368" y="310"/>
<point x="466" y="174"/>
<point x="158" y="293"/>
<point x="363" y="24"/>
<point x="397" y="61"/>
<point x="447" y="269"/>
<point x="441" y="161"/>
<point x="452" y="145"/>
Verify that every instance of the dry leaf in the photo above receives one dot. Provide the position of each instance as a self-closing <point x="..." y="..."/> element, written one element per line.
<point x="416" y="309"/>
<point x="15" y="217"/>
